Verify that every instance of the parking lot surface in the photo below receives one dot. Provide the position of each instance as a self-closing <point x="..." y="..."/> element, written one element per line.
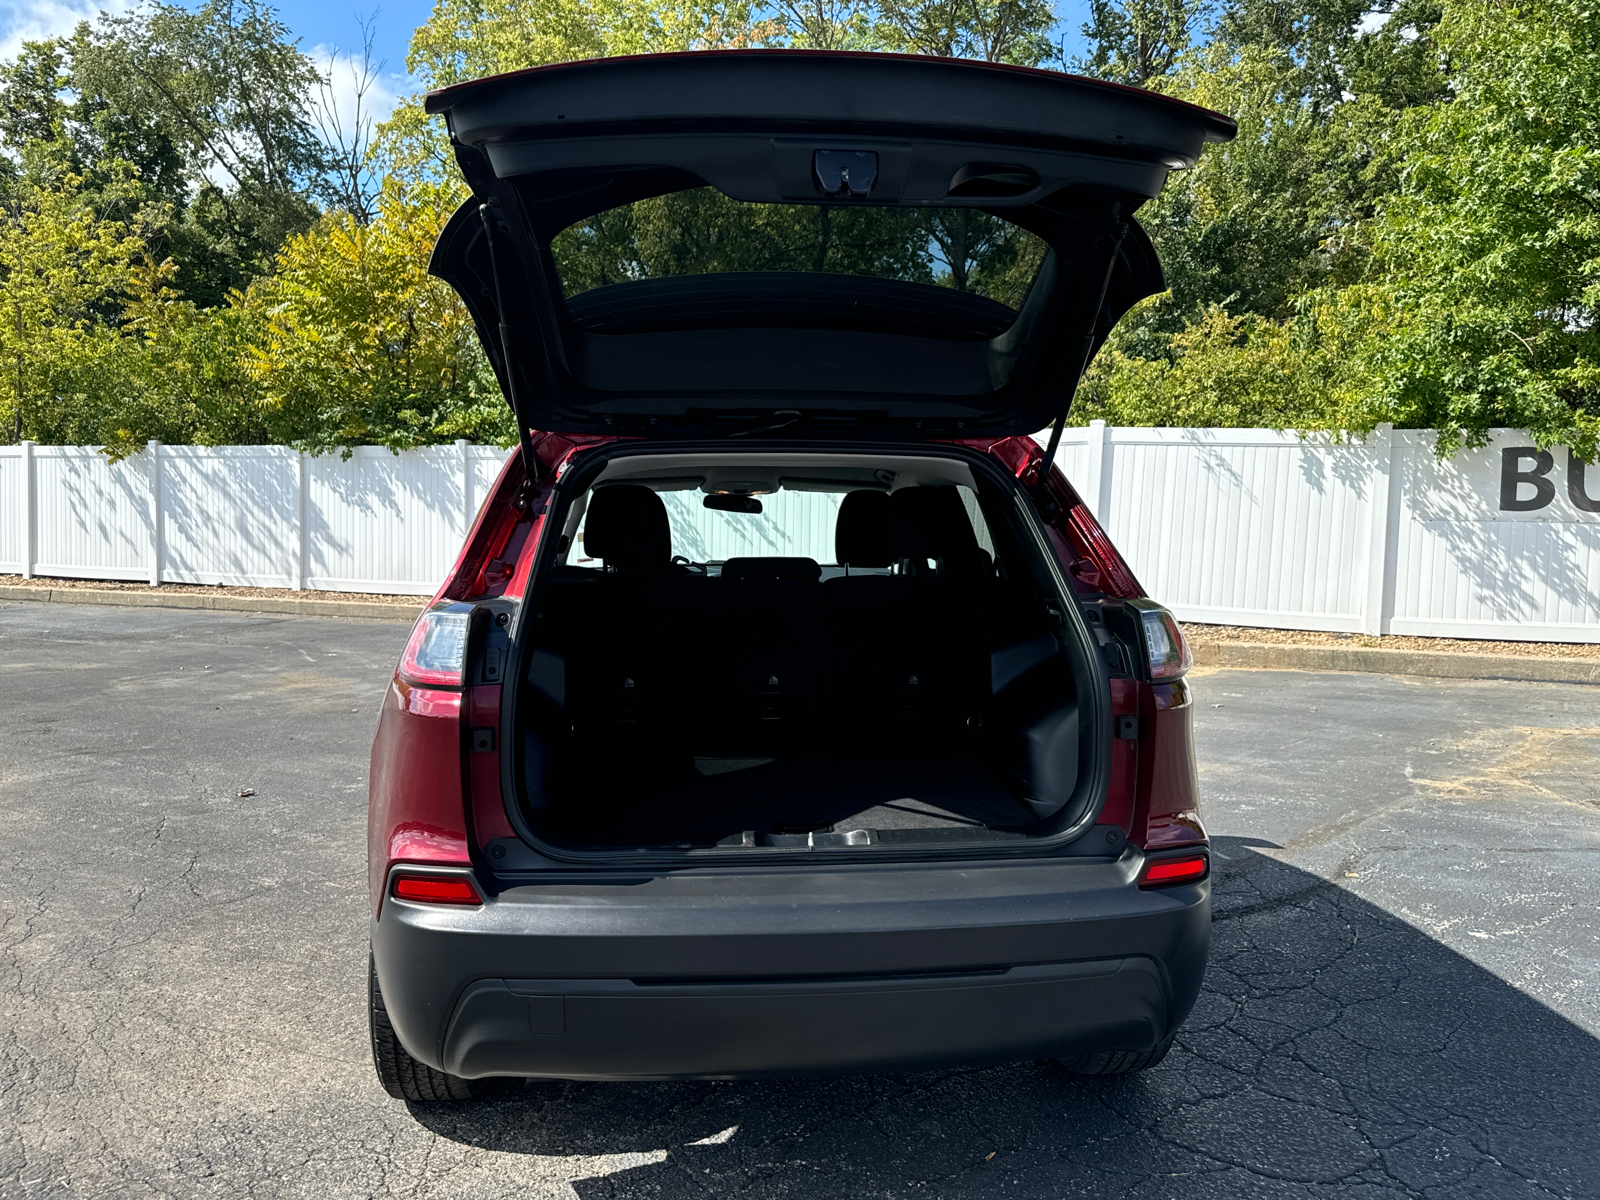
<point x="1404" y="997"/>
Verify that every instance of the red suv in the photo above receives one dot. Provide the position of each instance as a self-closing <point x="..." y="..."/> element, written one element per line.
<point x="786" y="712"/>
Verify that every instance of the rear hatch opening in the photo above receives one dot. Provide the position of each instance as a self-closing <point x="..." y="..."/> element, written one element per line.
<point x="729" y="651"/>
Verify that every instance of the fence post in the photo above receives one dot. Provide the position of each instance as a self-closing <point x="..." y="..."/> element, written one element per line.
<point x="1375" y="606"/>
<point x="30" y="494"/>
<point x="301" y="487"/>
<point x="153" y="449"/>
<point x="465" y="449"/>
<point x="1097" y="478"/>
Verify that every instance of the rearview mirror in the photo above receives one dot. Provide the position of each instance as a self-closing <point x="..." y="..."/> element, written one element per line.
<point x="724" y="502"/>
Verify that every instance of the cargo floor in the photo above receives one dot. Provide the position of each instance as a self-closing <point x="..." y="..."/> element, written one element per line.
<point x="796" y="792"/>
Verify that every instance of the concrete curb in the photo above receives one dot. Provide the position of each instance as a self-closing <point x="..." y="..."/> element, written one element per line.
<point x="1440" y="664"/>
<point x="155" y="598"/>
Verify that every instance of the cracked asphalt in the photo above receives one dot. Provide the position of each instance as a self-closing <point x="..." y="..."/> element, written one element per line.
<point x="1404" y="997"/>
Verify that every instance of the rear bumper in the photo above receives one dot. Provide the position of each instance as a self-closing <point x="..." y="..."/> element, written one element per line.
<point x="723" y="974"/>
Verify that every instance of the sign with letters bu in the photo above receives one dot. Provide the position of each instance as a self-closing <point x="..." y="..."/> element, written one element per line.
<point x="1510" y="479"/>
<point x="1526" y="484"/>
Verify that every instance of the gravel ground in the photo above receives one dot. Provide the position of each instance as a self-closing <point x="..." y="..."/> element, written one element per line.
<point x="197" y="589"/>
<point x="1302" y="637"/>
<point x="1403" y="999"/>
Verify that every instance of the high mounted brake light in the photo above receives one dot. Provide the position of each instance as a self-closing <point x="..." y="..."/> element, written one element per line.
<point x="1166" y="649"/>
<point x="1188" y="869"/>
<point x="436" y="654"/>
<point x="435" y="889"/>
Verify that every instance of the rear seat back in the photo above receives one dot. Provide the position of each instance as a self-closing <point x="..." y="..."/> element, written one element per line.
<point x="861" y="668"/>
<point x="759" y="649"/>
<point x="686" y="662"/>
<point x="622" y="667"/>
<point x="909" y="648"/>
<point x="669" y="659"/>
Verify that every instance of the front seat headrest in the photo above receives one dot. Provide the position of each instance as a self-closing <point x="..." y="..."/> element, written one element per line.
<point x="861" y="533"/>
<point x="932" y="523"/>
<point x="626" y="525"/>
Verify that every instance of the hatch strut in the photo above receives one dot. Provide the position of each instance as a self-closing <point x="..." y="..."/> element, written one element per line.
<point x="530" y="464"/>
<point x="1117" y="231"/>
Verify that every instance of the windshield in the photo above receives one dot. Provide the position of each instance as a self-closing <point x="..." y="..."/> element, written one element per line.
<point x="701" y="232"/>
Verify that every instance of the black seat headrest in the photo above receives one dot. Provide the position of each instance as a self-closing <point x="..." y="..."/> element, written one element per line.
<point x="626" y="525"/>
<point x="932" y="523"/>
<point x="807" y="569"/>
<point x="861" y="533"/>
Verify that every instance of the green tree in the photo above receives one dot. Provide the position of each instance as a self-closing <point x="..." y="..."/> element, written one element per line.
<point x="64" y="266"/>
<point x="827" y="24"/>
<point x="354" y="342"/>
<point x="1446" y="272"/>
<point x="1490" y="252"/>
<point x="1137" y="41"/>
<point x="468" y="39"/>
<point x="1008" y="31"/>
<point x="220" y="95"/>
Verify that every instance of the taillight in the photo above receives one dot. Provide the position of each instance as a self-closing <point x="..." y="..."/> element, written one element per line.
<point x="435" y="889"/>
<point x="1091" y="542"/>
<point x="1166" y="650"/>
<point x="436" y="654"/>
<point x="1191" y="868"/>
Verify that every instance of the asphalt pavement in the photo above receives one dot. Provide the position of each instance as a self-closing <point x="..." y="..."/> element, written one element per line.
<point x="1403" y="1001"/>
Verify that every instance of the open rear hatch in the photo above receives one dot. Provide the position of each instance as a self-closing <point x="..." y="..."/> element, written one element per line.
<point x="829" y="208"/>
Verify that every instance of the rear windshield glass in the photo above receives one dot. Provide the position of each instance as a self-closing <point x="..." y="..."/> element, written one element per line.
<point x="701" y="231"/>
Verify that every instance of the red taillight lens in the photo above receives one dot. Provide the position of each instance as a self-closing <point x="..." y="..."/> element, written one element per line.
<point x="436" y="889"/>
<point x="1165" y="646"/>
<point x="1174" y="870"/>
<point x="436" y="654"/>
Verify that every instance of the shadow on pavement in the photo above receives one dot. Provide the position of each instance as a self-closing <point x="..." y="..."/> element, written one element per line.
<point x="1335" y="1051"/>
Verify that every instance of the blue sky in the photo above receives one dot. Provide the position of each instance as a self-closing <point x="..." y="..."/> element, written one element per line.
<point x="338" y="23"/>
<point x="325" y="28"/>
<point x="333" y="24"/>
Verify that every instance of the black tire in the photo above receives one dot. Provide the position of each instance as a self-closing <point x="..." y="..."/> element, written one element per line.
<point x="1118" y="1062"/>
<point x="402" y="1076"/>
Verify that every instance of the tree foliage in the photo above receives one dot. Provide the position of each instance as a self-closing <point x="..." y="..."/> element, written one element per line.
<point x="1137" y="41"/>
<point x="64" y="264"/>
<point x="1490" y="251"/>
<point x="357" y="343"/>
<point x="1407" y="228"/>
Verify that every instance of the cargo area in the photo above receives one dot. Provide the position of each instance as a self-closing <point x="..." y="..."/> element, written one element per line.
<point x="902" y="682"/>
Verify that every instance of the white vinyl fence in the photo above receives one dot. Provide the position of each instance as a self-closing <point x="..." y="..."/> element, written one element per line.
<point x="1256" y="527"/>
<point x="1233" y="526"/>
<point x="253" y="516"/>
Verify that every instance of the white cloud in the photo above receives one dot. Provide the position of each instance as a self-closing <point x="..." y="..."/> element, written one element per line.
<point x="1371" y="22"/>
<point x="35" y="20"/>
<point x="344" y="70"/>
